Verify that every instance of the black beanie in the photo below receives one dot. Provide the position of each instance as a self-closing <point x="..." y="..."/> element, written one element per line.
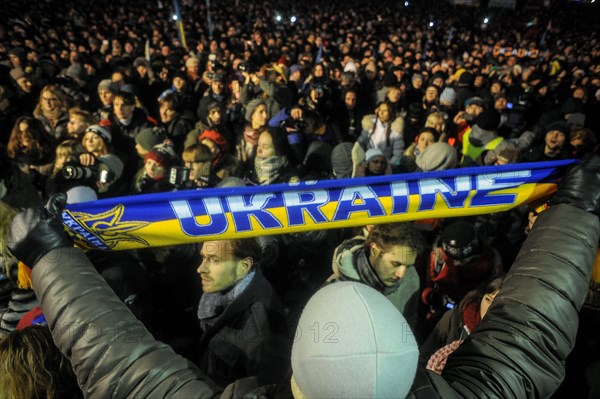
<point x="459" y="240"/>
<point x="390" y="80"/>
<point x="560" y="126"/>
<point x="488" y="120"/>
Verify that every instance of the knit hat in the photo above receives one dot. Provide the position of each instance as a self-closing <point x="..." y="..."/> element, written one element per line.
<point x="80" y="194"/>
<point x="108" y="85"/>
<point x="78" y="73"/>
<point x="459" y="240"/>
<point x="150" y="137"/>
<point x="371" y="153"/>
<point x="560" y="126"/>
<point x="295" y="68"/>
<point x="390" y="80"/>
<point x="466" y="79"/>
<point x="448" y="95"/>
<point x="100" y="131"/>
<point x="251" y="107"/>
<point x="216" y="138"/>
<point x="341" y="160"/>
<point x="437" y="156"/>
<point x="113" y="163"/>
<point x="475" y="100"/>
<point x="141" y="61"/>
<point x="367" y="351"/>
<point x="17" y="73"/>
<point x="163" y="155"/>
<point x="488" y="120"/>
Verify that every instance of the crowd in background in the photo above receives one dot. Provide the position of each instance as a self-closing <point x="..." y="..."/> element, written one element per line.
<point x="104" y="99"/>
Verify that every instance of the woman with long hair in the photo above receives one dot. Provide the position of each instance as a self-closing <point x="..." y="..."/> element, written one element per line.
<point x="29" y="148"/>
<point x="52" y="111"/>
<point x="271" y="163"/>
<point x="384" y="131"/>
<point x="31" y="366"/>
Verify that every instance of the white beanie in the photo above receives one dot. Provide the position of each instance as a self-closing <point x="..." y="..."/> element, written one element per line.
<point x="372" y="153"/>
<point x="78" y="194"/>
<point x="352" y="342"/>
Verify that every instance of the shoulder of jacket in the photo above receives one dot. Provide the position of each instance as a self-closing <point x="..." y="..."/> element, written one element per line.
<point x="398" y="125"/>
<point x="368" y="121"/>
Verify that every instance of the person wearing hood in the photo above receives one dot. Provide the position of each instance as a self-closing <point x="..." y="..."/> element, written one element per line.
<point x="211" y="117"/>
<point x="224" y="164"/>
<point x="384" y="259"/>
<point x="481" y="143"/>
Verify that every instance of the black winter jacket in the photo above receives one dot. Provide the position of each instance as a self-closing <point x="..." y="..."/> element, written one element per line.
<point x="518" y="350"/>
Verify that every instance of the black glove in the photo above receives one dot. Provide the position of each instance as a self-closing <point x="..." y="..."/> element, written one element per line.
<point x="581" y="186"/>
<point x="36" y="231"/>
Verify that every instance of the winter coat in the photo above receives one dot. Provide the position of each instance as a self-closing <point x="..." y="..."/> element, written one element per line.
<point x="59" y="130"/>
<point x="249" y="338"/>
<point x="374" y="135"/>
<point x="112" y="353"/>
<point x="519" y="349"/>
<point x="405" y="298"/>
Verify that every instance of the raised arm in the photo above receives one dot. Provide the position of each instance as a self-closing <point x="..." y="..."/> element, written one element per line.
<point x="111" y="352"/>
<point x="520" y="347"/>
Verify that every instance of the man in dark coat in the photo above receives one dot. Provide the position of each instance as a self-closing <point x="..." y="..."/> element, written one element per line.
<point x="244" y="327"/>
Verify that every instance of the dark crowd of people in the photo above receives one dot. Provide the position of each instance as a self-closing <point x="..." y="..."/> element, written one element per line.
<point x="105" y="99"/>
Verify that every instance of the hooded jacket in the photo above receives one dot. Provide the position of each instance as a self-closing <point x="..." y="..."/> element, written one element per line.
<point x="405" y="296"/>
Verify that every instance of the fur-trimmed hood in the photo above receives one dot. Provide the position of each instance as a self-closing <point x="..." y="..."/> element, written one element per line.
<point x="368" y="122"/>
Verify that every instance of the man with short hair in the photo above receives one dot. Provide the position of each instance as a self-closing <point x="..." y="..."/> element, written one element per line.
<point x="245" y="331"/>
<point x="126" y="121"/>
<point x="384" y="260"/>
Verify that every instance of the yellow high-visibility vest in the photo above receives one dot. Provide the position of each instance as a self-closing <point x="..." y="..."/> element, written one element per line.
<point x="471" y="152"/>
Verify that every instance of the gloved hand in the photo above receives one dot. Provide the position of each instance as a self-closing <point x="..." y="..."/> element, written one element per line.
<point x="36" y="231"/>
<point x="581" y="186"/>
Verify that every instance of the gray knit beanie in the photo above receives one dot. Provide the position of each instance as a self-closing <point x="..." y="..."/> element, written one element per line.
<point x="352" y="342"/>
<point x="251" y="107"/>
<point x="108" y="85"/>
<point x="341" y="160"/>
<point x="448" y="95"/>
<point x="437" y="156"/>
<point x="150" y="137"/>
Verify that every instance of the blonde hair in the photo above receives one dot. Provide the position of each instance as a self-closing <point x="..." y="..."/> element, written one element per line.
<point x="57" y="91"/>
<point x="31" y="366"/>
<point x="68" y="149"/>
<point x="434" y="119"/>
<point x="82" y="115"/>
<point x="197" y="153"/>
